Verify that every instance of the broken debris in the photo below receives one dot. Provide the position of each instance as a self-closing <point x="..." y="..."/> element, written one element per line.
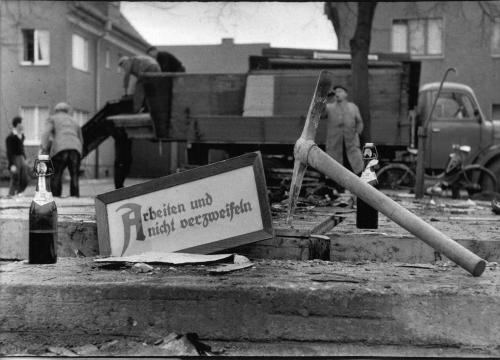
<point x="337" y="278"/>
<point x="417" y="266"/>
<point x="179" y="345"/>
<point x="86" y="350"/>
<point x="495" y="206"/>
<point x="184" y="345"/>
<point x="240" y="262"/>
<point x="142" y="268"/>
<point x="223" y="269"/>
<point x="168" y="258"/>
<point x="61" y="351"/>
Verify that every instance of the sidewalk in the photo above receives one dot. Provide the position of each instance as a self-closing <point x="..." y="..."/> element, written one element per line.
<point x="88" y="187"/>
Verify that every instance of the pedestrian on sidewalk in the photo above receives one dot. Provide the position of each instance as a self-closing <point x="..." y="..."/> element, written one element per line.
<point x="167" y="61"/>
<point x="344" y="126"/>
<point x="19" y="172"/>
<point x="137" y="66"/>
<point x="62" y="139"/>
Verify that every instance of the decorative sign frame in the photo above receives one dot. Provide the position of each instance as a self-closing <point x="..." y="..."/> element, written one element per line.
<point x="203" y="210"/>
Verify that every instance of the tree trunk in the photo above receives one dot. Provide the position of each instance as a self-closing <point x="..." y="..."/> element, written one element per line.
<point x="360" y="47"/>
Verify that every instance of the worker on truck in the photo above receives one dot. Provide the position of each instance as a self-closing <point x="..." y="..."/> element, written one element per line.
<point x="344" y="125"/>
<point x="167" y="61"/>
<point x="137" y="66"/>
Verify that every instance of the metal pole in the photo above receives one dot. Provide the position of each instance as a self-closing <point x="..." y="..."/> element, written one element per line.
<point x="422" y="138"/>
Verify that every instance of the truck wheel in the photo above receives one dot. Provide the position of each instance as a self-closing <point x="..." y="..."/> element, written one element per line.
<point x="396" y="176"/>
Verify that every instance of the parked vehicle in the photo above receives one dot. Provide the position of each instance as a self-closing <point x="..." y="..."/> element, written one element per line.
<point x="213" y="116"/>
<point x="473" y="178"/>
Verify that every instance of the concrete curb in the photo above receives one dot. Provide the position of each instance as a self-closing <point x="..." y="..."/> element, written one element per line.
<point x="373" y="304"/>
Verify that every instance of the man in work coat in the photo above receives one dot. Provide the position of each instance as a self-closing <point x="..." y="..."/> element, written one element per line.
<point x="344" y="125"/>
<point x="62" y="138"/>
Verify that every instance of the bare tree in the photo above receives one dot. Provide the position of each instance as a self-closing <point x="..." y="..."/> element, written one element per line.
<point x="360" y="46"/>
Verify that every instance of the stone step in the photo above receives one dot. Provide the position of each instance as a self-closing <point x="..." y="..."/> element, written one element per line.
<point x="344" y="242"/>
<point x="391" y="243"/>
<point x="274" y="301"/>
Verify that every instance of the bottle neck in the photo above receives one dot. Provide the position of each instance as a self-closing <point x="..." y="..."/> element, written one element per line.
<point x="43" y="185"/>
<point x="43" y="194"/>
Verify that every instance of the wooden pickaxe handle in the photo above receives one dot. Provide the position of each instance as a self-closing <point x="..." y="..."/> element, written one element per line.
<point x="308" y="153"/>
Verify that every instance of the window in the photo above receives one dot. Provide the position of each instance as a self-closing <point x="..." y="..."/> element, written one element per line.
<point x="495" y="38"/>
<point x="418" y="36"/>
<point x="107" y="63"/>
<point x="33" y="120"/>
<point x="80" y="53"/>
<point x="454" y="105"/>
<point x="495" y="111"/>
<point x="81" y="117"/>
<point x="36" y="47"/>
<point x="118" y="68"/>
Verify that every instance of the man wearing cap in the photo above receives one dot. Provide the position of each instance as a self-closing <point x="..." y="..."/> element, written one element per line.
<point x="62" y="139"/>
<point x="167" y="61"/>
<point x="344" y="125"/>
<point x="137" y="66"/>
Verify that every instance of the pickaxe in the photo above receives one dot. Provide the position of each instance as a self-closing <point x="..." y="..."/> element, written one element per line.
<point x="306" y="152"/>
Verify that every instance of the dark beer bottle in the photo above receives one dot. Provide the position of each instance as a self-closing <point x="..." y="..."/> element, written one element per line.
<point x="43" y="217"/>
<point x="367" y="216"/>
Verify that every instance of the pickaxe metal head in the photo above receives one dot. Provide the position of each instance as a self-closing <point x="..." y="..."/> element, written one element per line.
<point x="314" y="113"/>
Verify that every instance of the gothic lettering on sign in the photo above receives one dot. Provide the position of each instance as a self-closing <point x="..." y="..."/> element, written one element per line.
<point x="131" y="218"/>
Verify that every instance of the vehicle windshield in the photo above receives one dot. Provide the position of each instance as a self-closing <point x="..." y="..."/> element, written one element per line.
<point x="454" y="105"/>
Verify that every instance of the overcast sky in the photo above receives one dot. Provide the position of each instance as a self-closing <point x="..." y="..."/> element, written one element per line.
<point x="282" y="24"/>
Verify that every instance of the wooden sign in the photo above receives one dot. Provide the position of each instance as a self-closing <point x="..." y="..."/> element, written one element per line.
<point x="203" y="210"/>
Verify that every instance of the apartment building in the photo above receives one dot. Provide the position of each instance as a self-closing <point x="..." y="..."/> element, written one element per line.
<point x="52" y="51"/>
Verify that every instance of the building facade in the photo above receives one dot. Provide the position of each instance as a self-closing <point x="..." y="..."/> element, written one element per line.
<point x="226" y="57"/>
<point x="440" y="34"/>
<point x="53" y="51"/>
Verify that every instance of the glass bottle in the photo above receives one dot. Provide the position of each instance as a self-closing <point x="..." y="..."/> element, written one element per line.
<point x="367" y="216"/>
<point x="43" y="216"/>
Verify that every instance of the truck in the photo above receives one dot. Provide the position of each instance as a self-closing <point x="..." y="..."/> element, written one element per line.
<point x="215" y="116"/>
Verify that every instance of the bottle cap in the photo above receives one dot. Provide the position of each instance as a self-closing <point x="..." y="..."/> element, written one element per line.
<point x="43" y="157"/>
<point x="369" y="144"/>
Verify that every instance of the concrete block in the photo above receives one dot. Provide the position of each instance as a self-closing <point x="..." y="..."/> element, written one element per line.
<point x="391" y="243"/>
<point x="14" y="237"/>
<point x="77" y="233"/>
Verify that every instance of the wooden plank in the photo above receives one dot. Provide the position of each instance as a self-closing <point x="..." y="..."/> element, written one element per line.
<point x="245" y="129"/>
<point x="205" y="94"/>
<point x="259" y="96"/>
<point x="142" y="119"/>
<point x="326" y="225"/>
<point x="102" y="227"/>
